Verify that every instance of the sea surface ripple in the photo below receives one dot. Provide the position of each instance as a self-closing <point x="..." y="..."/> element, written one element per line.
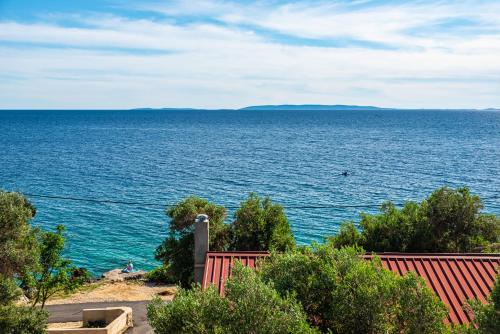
<point x="295" y="157"/>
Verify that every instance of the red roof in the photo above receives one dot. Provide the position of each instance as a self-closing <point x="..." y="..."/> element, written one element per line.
<point x="455" y="278"/>
<point x="218" y="266"/>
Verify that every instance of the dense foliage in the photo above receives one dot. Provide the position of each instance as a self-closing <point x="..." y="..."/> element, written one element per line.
<point x="161" y="274"/>
<point x="22" y="320"/>
<point x="449" y="220"/>
<point x="30" y="258"/>
<point x="343" y="293"/>
<point x="486" y="316"/>
<point x="18" y="319"/>
<point x="9" y="291"/>
<point x="18" y="253"/>
<point x="249" y="306"/>
<point x="259" y="224"/>
<point x="17" y="237"/>
<point x="177" y="250"/>
<point x="53" y="273"/>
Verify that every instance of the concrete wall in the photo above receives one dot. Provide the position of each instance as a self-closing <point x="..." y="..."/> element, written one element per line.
<point x="118" y="319"/>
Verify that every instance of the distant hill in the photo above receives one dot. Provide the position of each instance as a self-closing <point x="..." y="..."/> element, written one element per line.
<point x="146" y="109"/>
<point x="312" y="107"/>
<point x="298" y="107"/>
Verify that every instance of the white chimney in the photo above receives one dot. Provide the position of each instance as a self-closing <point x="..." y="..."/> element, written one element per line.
<point x="201" y="246"/>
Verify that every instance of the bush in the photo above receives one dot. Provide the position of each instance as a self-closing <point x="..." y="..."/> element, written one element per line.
<point x="261" y="225"/>
<point x="17" y="238"/>
<point x="161" y="274"/>
<point x="22" y="320"/>
<point x="343" y="293"/>
<point x="177" y="250"/>
<point x="9" y="291"/>
<point x="53" y="273"/>
<point x="249" y="306"/>
<point x="486" y="316"/>
<point x="449" y="220"/>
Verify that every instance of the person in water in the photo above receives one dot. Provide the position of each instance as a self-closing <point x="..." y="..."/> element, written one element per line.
<point x="129" y="268"/>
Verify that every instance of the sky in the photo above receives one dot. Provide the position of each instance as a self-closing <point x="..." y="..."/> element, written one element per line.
<point x="115" y="54"/>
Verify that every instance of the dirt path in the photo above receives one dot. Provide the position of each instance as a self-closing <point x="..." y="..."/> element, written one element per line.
<point x="116" y="291"/>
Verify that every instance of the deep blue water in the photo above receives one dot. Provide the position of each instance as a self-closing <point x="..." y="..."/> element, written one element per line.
<point x="295" y="157"/>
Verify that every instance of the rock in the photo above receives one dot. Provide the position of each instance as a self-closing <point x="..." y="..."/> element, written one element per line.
<point x="116" y="275"/>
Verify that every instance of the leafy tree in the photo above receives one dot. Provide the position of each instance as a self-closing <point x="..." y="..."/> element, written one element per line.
<point x="249" y="306"/>
<point x="455" y="221"/>
<point x="486" y="316"/>
<point x="261" y="225"/>
<point x="348" y="235"/>
<point x="449" y="220"/>
<point x="9" y="291"/>
<point x="18" y="319"/>
<point x="394" y="229"/>
<point x="177" y="249"/>
<point x="53" y="272"/>
<point x="342" y="293"/>
<point x="18" y="253"/>
<point x="17" y="238"/>
<point x="22" y="320"/>
<point x="161" y="274"/>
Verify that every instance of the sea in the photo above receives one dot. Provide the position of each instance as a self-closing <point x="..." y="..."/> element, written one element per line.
<point x="109" y="175"/>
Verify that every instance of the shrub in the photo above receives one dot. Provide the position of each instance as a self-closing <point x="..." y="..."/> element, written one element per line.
<point x="249" y="306"/>
<point x="261" y="225"/>
<point x="53" y="273"/>
<point x="348" y="235"/>
<point x="161" y="274"/>
<point x="177" y="250"/>
<point x="22" y="320"/>
<point x="486" y="316"/>
<point x="449" y="220"/>
<point x="17" y="238"/>
<point x="343" y="293"/>
<point x="9" y="291"/>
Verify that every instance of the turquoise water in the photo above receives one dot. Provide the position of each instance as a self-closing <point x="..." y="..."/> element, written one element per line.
<point x="160" y="157"/>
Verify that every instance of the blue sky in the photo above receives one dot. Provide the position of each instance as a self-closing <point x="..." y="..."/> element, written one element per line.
<point x="229" y="54"/>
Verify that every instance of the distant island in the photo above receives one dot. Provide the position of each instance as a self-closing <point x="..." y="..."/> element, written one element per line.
<point x="312" y="107"/>
<point x="305" y="107"/>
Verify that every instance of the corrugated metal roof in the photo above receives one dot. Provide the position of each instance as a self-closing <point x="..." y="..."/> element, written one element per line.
<point x="455" y="278"/>
<point x="218" y="266"/>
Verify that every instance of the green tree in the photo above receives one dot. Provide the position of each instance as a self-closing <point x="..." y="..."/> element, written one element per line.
<point x="18" y="253"/>
<point x="22" y="320"/>
<point x="249" y="306"/>
<point x="261" y="225"/>
<point x="449" y="220"/>
<point x="17" y="237"/>
<point x="455" y="222"/>
<point x="486" y="316"/>
<point x="53" y="272"/>
<point x="343" y="293"/>
<point x="348" y="235"/>
<point x="176" y="251"/>
<point x="9" y="291"/>
<point x="18" y="319"/>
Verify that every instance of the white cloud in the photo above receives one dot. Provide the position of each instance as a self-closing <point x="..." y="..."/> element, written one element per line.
<point x="104" y="63"/>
